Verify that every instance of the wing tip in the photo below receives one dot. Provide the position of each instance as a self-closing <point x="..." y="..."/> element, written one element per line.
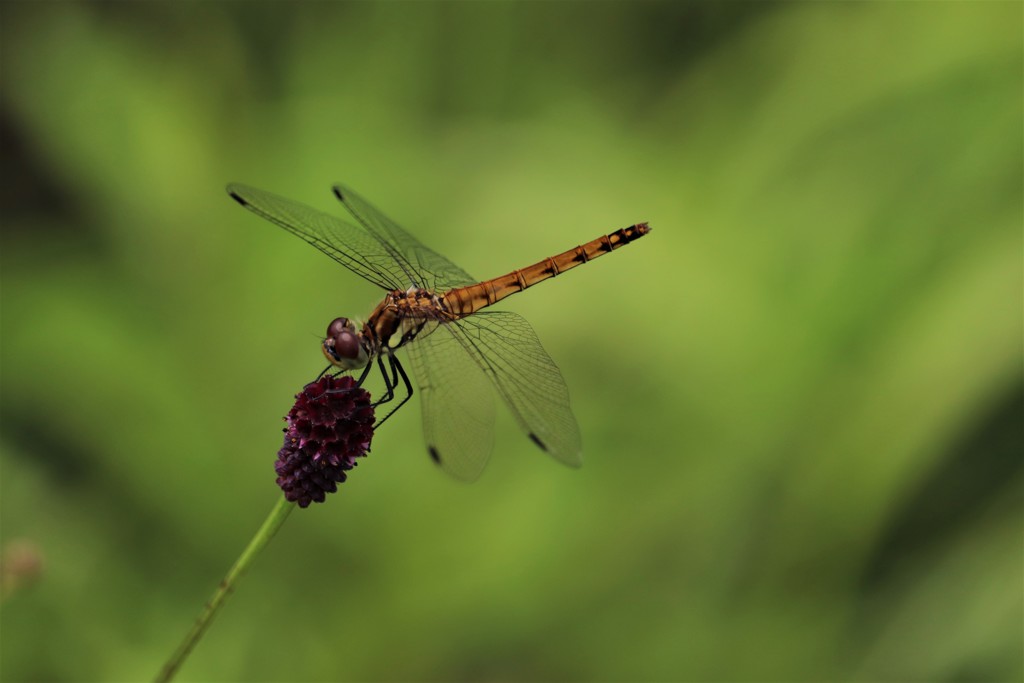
<point x="233" y="191"/>
<point x="575" y="460"/>
<point x="451" y="468"/>
<point x="540" y="444"/>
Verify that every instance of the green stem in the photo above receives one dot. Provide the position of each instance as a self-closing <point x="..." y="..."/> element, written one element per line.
<point x="262" y="537"/>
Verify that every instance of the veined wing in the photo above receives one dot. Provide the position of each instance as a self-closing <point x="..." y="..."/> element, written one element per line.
<point x="425" y="266"/>
<point x="457" y="404"/>
<point x="507" y="349"/>
<point x="362" y="252"/>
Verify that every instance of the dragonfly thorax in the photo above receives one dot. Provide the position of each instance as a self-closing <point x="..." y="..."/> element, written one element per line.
<point x="345" y="345"/>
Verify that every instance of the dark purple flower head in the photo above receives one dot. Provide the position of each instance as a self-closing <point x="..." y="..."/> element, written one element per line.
<point x="329" y="427"/>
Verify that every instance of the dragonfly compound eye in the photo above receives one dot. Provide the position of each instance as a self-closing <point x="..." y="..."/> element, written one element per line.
<point x="342" y="341"/>
<point x="337" y="326"/>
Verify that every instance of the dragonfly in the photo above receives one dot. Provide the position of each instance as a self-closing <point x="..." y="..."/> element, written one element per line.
<point x="459" y="354"/>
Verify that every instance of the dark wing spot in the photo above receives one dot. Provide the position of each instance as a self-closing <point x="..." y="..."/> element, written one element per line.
<point x="338" y="194"/>
<point x="540" y="444"/>
<point x="434" y="455"/>
<point x="238" y="199"/>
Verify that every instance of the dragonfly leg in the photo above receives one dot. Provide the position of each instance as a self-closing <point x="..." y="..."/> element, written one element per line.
<point x="389" y="382"/>
<point x="363" y="374"/>
<point x="396" y="369"/>
<point x="359" y="382"/>
<point x="318" y="377"/>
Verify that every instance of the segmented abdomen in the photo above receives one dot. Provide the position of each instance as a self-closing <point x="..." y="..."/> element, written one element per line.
<point x="465" y="300"/>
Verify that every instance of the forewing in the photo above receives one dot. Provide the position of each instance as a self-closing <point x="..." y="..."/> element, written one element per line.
<point x="353" y="247"/>
<point x="425" y="266"/>
<point x="457" y="403"/>
<point x="507" y="349"/>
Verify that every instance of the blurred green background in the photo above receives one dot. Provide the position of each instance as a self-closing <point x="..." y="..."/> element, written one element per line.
<point x="801" y="396"/>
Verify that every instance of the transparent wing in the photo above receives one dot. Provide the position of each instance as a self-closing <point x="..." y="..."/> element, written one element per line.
<point x="426" y="266"/>
<point x="508" y="351"/>
<point x="358" y="250"/>
<point x="457" y="403"/>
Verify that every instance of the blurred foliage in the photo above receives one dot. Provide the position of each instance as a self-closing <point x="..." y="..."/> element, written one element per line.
<point x="801" y="396"/>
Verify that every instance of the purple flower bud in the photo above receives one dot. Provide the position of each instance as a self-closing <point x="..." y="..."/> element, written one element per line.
<point x="330" y="425"/>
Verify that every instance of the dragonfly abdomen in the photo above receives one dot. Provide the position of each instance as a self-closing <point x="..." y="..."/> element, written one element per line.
<point x="465" y="300"/>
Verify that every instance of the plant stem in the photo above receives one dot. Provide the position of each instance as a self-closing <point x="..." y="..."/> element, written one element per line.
<point x="227" y="585"/>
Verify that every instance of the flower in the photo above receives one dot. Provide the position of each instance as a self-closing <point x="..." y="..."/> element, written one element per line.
<point x="330" y="425"/>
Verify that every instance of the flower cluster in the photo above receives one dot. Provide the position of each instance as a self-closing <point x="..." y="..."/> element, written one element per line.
<point x="329" y="427"/>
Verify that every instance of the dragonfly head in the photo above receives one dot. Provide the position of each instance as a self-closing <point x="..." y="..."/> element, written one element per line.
<point x="344" y="345"/>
